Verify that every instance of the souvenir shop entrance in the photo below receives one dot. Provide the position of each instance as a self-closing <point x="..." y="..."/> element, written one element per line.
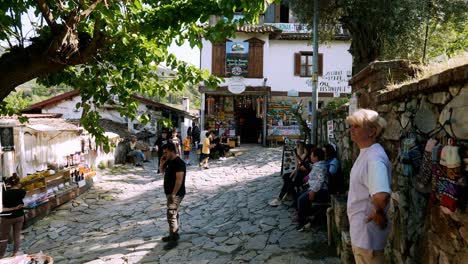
<point x="240" y="117"/>
<point x="248" y="120"/>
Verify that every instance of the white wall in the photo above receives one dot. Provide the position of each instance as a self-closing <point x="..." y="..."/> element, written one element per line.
<point x="66" y="107"/>
<point x="281" y="74"/>
<point x="278" y="63"/>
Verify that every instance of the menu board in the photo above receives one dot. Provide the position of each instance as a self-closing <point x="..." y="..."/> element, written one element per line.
<point x="288" y="162"/>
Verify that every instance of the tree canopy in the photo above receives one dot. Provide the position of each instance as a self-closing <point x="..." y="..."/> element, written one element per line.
<point x="110" y="47"/>
<point x="389" y="29"/>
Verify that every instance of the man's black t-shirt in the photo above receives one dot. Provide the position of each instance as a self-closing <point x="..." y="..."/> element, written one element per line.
<point x="13" y="198"/>
<point x="160" y="142"/>
<point x="173" y="166"/>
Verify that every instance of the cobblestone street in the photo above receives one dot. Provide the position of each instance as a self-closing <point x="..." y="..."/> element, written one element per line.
<point x="225" y="218"/>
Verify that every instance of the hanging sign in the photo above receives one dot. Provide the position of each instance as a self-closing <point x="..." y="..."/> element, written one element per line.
<point x="7" y="140"/>
<point x="236" y="85"/>
<point x="330" y="129"/>
<point x="293" y="93"/>
<point x="237" y="58"/>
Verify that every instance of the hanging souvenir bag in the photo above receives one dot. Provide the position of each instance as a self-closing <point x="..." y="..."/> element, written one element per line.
<point x="410" y="156"/>
<point x="424" y="176"/>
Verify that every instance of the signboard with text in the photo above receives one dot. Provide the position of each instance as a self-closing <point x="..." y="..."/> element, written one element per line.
<point x="291" y="27"/>
<point x="237" y="58"/>
<point x="335" y="82"/>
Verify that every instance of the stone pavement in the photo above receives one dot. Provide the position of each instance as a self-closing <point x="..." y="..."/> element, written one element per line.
<point x="225" y="218"/>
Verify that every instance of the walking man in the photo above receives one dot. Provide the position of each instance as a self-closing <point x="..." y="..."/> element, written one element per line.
<point x="173" y="168"/>
<point x="160" y="142"/>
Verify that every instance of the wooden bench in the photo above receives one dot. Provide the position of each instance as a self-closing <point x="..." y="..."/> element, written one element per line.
<point x="318" y="212"/>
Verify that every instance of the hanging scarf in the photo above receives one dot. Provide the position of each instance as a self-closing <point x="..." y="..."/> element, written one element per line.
<point x="424" y="177"/>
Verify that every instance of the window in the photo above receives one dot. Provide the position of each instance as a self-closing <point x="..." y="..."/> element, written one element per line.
<point x="303" y="62"/>
<point x="284" y="13"/>
<point x="255" y="64"/>
<point x="218" y="59"/>
<point x="255" y="68"/>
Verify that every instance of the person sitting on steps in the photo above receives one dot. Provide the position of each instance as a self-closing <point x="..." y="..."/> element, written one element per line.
<point x="136" y="153"/>
<point x="318" y="187"/>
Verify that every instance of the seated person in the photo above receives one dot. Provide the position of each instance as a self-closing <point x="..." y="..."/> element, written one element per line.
<point x="219" y="149"/>
<point x="318" y="187"/>
<point x="294" y="181"/>
<point x="136" y="153"/>
<point x="336" y="180"/>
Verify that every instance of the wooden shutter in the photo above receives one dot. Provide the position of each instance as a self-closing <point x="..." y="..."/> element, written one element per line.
<point x="255" y="67"/>
<point x="320" y="64"/>
<point x="297" y="64"/>
<point x="218" y="59"/>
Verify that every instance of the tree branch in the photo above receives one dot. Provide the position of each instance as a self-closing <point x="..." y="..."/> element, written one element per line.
<point x="47" y="15"/>
<point x="90" y="9"/>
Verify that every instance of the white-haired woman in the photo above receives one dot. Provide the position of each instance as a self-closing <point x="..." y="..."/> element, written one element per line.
<point x="369" y="188"/>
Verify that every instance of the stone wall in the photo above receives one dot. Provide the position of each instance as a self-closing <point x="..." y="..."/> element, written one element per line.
<point x="433" y="107"/>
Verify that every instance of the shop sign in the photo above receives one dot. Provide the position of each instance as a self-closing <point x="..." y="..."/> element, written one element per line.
<point x="6" y="138"/>
<point x="237" y="85"/>
<point x="330" y="129"/>
<point x="237" y="58"/>
<point x="293" y="93"/>
<point x="291" y="27"/>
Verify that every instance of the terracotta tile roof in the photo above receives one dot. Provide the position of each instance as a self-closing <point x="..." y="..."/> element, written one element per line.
<point x="38" y="106"/>
<point x="33" y="116"/>
<point x="42" y="124"/>
<point x="158" y="104"/>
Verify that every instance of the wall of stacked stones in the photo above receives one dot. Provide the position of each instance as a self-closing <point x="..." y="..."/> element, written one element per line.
<point x="435" y="107"/>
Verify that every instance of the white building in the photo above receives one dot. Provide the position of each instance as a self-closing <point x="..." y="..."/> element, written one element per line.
<point x="65" y="104"/>
<point x="267" y="70"/>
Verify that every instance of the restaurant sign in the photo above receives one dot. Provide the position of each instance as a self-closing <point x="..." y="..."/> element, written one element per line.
<point x="237" y="58"/>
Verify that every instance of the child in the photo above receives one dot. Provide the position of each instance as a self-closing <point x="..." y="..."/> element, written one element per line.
<point x="206" y="150"/>
<point x="187" y="146"/>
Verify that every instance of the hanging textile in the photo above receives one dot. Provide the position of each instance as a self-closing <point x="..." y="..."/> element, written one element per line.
<point x="437" y="172"/>
<point x="210" y="105"/>
<point x="424" y="177"/>
<point x="447" y="185"/>
<point x="22" y="159"/>
<point x="411" y="157"/>
<point x="259" y="107"/>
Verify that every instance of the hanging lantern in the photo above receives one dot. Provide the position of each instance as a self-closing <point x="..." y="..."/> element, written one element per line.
<point x="210" y="105"/>
<point x="259" y="107"/>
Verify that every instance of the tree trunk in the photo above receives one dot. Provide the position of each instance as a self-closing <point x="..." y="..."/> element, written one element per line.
<point x="23" y="64"/>
<point x="365" y="48"/>
<point x="45" y="57"/>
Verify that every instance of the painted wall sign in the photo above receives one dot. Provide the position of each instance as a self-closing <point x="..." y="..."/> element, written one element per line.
<point x="335" y="82"/>
<point x="237" y="58"/>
